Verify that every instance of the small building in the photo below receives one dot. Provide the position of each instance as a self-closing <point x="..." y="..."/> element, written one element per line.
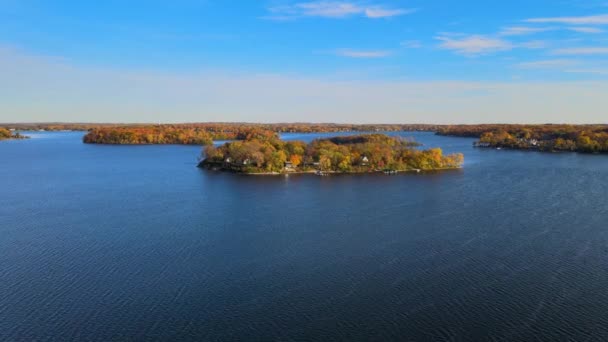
<point x="364" y="161"/>
<point x="228" y="160"/>
<point x="289" y="166"/>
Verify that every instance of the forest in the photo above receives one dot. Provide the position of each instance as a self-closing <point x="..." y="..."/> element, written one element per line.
<point x="354" y="154"/>
<point x="575" y="138"/>
<point x="173" y="134"/>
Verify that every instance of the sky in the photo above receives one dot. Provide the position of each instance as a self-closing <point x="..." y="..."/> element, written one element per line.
<point x="368" y="61"/>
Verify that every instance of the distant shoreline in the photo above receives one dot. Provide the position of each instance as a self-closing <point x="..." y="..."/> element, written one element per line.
<point x="583" y="138"/>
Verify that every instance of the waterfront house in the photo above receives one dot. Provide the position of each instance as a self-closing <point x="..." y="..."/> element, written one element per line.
<point x="289" y="166"/>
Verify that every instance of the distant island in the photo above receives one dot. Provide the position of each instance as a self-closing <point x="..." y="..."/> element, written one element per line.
<point x="264" y="154"/>
<point x="547" y="138"/>
<point x="206" y="133"/>
<point x="6" y="134"/>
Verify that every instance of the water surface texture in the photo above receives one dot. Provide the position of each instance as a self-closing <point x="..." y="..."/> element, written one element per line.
<point x="134" y="242"/>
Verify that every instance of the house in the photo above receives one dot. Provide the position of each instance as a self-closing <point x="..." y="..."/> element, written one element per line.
<point x="364" y="161"/>
<point x="289" y="166"/>
<point x="228" y="160"/>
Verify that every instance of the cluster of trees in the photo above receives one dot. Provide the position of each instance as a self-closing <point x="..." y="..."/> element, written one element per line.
<point x="172" y="134"/>
<point x="148" y="135"/>
<point x="7" y="134"/>
<point x="579" y="138"/>
<point x="362" y="153"/>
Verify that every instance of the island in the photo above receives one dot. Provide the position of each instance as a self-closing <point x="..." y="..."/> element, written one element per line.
<point x="547" y="138"/>
<point x="206" y="133"/>
<point x="6" y="134"/>
<point x="267" y="154"/>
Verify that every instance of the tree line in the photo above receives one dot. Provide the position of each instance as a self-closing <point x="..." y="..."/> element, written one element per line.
<point x="230" y="126"/>
<point x="576" y="138"/>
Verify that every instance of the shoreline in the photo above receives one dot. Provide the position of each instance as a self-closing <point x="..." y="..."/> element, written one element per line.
<point x="333" y="173"/>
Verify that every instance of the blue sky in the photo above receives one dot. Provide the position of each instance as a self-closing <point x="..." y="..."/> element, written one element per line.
<point x="307" y="60"/>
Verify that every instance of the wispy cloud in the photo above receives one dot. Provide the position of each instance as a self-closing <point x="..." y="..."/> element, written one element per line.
<point x="584" y="29"/>
<point x="411" y="44"/>
<point x="533" y="44"/>
<point x="379" y="12"/>
<point x="474" y="45"/>
<point x="589" y="71"/>
<point x="523" y="30"/>
<point x="548" y="64"/>
<point x="581" y="51"/>
<point x="335" y="10"/>
<point x="362" y="53"/>
<point x="586" y="20"/>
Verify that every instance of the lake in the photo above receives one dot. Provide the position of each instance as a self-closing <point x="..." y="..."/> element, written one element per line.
<point x="136" y="243"/>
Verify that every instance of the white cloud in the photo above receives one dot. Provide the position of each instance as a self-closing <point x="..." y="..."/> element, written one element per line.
<point x="548" y="64"/>
<point x="587" y="20"/>
<point x="362" y="53"/>
<point x="589" y="71"/>
<point x="474" y="45"/>
<point x="328" y="9"/>
<point x="583" y="29"/>
<point x="581" y="51"/>
<point x="334" y="9"/>
<point x="411" y="44"/>
<point x="534" y="44"/>
<point x="523" y="30"/>
<point x="379" y="12"/>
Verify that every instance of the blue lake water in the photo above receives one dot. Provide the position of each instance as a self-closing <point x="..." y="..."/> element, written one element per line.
<point x="107" y="243"/>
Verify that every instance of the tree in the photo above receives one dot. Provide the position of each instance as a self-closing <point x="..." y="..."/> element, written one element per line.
<point x="324" y="162"/>
<point x="296" y="160"/>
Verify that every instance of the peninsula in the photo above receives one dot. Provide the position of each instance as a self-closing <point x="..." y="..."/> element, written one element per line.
<point x="264" y="154"/>
<point x="546" y="138"/>
<point x="6" y="134"/>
